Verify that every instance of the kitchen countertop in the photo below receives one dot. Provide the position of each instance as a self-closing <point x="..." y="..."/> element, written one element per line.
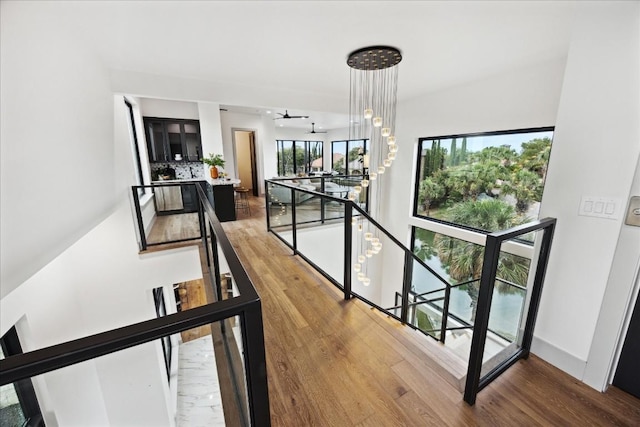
<point x="232" y="181"/>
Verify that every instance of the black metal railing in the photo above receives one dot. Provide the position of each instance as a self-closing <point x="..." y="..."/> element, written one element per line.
<point x="169" y="199"/>
<point x="252" y="392"/>
<point x="287" y="231"/>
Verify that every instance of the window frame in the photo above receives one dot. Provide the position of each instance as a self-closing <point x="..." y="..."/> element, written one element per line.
<point x="416" y="186"/>
<point x="280" y="167"/>
<point x="347" y="142"/>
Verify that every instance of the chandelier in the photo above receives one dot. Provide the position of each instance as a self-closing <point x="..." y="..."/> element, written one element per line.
<point x="372" y="116"/>
<point x="372" y="104"/>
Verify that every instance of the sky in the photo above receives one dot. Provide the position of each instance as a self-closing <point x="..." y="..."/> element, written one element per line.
<point x="477" y="143"/>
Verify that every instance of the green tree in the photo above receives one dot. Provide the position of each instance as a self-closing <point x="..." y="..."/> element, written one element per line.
<point x="430" y="191"/>
<point x="526" y="186"/>
<point x="463" y="260"/>
<point x="535" y="156"/>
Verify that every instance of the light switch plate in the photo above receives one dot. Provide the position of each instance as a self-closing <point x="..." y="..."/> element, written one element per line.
<point x="633" y="212"/>
<point x="600" y="207"/>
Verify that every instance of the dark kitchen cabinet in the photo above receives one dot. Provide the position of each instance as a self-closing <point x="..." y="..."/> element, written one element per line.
<point x="173" y="140"/>
<point x="190" y="197"/>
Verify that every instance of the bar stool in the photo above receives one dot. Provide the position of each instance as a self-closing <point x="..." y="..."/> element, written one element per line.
<point x="242" y="200"/>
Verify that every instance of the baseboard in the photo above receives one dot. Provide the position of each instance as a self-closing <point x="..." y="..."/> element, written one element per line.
<point x="559" y="358"/>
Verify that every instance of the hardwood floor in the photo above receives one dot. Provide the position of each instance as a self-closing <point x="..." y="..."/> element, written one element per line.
<point x="174" y="227"/>
<point x="332" y="362"/>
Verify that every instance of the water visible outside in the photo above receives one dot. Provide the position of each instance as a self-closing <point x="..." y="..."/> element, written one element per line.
<point x="506" y="308"/>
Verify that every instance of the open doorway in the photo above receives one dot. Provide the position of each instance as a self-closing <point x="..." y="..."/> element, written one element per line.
<point x="244" y="141"/>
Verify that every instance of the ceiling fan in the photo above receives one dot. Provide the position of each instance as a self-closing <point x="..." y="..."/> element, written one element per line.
<point x="287" y="116"/>
<point x="313" y="129"/>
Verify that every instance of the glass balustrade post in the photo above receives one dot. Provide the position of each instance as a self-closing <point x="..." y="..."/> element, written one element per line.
<point x="322" y="201"/>
<point x="255" y="365"/>
<point x="216" y="267"/>
<point x="536" y="292"/>
<point x="407" y="278"/>
<point x="267" y="204"/>
<point x="348" y="230"/>
<point x="136" y="204"/>
<point x="445" y="313"/>
<point x="481" y="321"/>
<point x="294" y="227"/>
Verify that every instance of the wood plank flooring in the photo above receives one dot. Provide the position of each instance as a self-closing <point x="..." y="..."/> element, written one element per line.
<point x="332" y="362"/>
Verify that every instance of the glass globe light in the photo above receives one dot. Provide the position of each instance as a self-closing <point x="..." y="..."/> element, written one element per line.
<point x="391" y="140"/>
<point x="393" y="148"/>
<point x="381" y="170"/>
<point x="385" y="131"/>
<point x="372" y="176"/>
<point x="357" y="189"/>
<point x="369" y="253"/>
<point x="368" y="236"/>
<point x="377" y="121"/>
<point x="391" y="156"/>
<point x="351" y="196"/>
<point x="368" y="113"/>
<point x="354" y="221"/>
<point x="357" y="267"/>
<point x="359" y="227"/>
<point x="361" y="276"/>
<point x="364" y="183"/>
<point x="387" y="163"/>
<point x="366" y="281"/>
<point x="361" y="259"/>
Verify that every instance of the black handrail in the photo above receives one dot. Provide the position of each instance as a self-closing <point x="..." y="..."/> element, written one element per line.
<point x="247" y="306"/>
<point x="487" y="281"/>
<point x="474" y="381"/>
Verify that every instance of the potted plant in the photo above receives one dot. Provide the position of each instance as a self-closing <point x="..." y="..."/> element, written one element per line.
<point x="213" y="161"/>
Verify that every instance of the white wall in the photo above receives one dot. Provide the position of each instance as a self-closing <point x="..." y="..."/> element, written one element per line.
<point x="98" y="284"/>
<point x="210" y="132"/>
<point x="594" y="105"/>
<point x="172" y="109"/>
<point x="56" y="162"/>
<point x="596" y="148"/>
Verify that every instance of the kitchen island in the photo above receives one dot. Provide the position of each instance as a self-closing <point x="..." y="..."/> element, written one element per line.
<point x="180" y="196"/>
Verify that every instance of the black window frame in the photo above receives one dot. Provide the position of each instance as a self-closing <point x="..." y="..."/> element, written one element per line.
<point x="306" y="155"/>
<point x="416" y="188"/>
<point x="348" y="143"/>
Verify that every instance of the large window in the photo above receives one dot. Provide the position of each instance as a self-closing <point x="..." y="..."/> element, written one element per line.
<point x="299" y="157"/>
<point x="349" y="157"/>
<point x="488" y="181"/>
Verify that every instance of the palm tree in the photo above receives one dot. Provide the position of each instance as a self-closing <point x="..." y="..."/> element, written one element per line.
<point x="429" y="192"/>
<point x="464" y="259"/>
<point x="525" y="186"/>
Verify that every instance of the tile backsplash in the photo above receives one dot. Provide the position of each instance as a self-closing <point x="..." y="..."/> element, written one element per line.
<point x="184" y="170"/>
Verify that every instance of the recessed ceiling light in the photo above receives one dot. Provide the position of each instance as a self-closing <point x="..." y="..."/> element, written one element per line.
<point x="268" y="111"/>
<point x="281" y="125"/>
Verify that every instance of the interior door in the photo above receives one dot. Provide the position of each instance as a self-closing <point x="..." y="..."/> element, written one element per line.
<point x="627" y="375"/>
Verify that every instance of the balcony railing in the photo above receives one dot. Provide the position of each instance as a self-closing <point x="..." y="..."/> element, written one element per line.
<point x="237" y="320"/>
<point x="343" y="244"/>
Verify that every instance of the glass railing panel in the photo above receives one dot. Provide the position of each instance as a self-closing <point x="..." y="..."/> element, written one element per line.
<point x="321" y="243"/>
<point x="370" y="279"/>
<point x="167" y="213"/>
<point x="195" y="377"/>
<point x="308" y="208"/>
<point x="508" y="303"/>
<point x="278" y="199"/>
<point x="425" y="310"/>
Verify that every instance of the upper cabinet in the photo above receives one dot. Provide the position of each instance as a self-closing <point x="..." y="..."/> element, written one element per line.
<point x="173" y="140"/>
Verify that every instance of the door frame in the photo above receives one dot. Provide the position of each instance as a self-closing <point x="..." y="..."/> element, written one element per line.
<point x="253" y="154"/>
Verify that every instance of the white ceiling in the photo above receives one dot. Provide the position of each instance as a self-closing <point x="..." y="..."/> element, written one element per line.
<point x="300" y="47"/>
